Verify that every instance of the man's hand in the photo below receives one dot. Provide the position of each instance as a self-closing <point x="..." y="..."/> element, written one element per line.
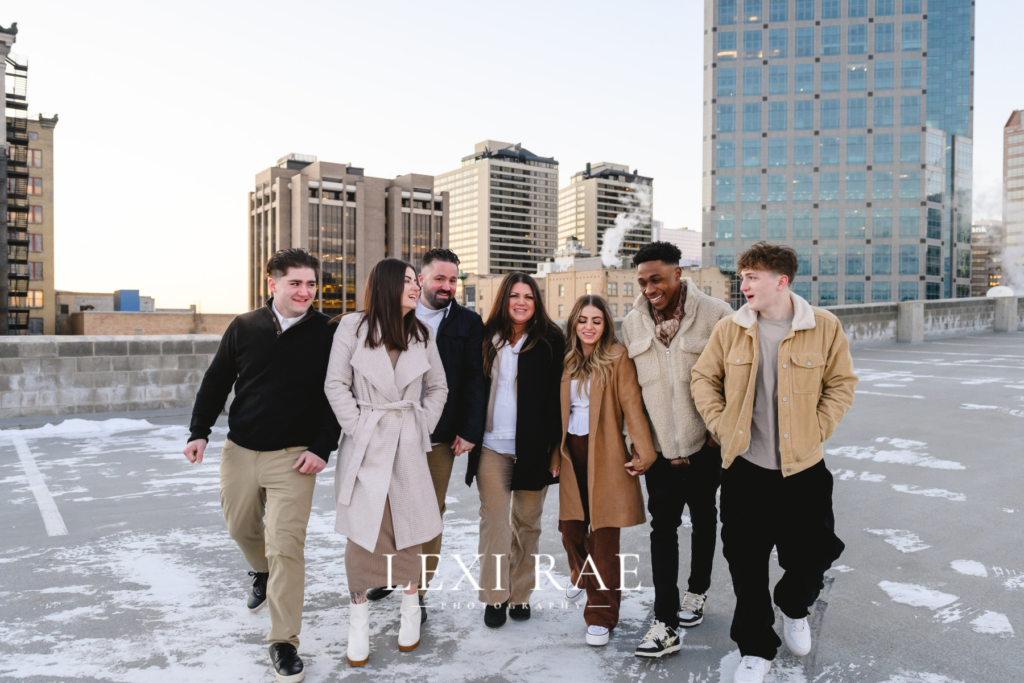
<point x="460" y="446"/>
<point x="634" y="468"/>
<point x="309" y="463"/>
<point x="194" y="450"/>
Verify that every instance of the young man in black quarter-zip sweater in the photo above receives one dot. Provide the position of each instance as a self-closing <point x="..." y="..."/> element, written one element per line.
<point x="281" y="431"/>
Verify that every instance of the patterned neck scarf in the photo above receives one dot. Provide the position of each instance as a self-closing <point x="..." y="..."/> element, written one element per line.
<point x="664" y="328"/>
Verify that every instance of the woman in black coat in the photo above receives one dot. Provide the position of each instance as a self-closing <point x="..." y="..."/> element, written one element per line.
<point x="523" y="355"/>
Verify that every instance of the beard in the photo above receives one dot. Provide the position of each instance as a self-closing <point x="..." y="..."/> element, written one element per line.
<point x="438" y="299"/>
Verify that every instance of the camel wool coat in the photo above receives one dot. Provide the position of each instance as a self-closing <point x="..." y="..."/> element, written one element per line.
<point x="614" y="495"/>
<point x="385" y="436"/>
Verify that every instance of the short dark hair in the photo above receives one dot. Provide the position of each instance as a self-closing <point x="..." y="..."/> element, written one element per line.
<point x="280" y="262"/>
<point x="658" y="251"/>
<point x="446" y="255"/>
<point x="774" y="258"/>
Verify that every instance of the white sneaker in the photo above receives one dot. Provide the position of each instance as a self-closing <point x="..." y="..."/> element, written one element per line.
<point x="691" y="611"/>
<point x="597" y="635"/>
<point x="752" y="670"/>
<point x="798" y="635"/>
<point x="574" y="593"/>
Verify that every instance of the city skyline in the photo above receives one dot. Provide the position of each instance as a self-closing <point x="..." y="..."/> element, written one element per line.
<point x="190" y="93"/>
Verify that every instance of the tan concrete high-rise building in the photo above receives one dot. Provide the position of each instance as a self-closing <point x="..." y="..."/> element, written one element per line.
<point x="1013" y="183"/>
<point x="589" y="205"/>
<point x="504" y="214"/>
<point x="988" y="241"/>
<point x="349" y="220"/>
<point x="42" y="304"/>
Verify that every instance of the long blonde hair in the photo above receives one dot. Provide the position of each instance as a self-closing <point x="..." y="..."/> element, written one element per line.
<point x="599" y="361"/>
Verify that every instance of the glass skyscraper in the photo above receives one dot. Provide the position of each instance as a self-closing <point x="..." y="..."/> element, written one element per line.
<point x="842" y="128"/>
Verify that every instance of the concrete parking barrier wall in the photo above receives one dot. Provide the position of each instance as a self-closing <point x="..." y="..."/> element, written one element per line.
<point x="51" y="375"/>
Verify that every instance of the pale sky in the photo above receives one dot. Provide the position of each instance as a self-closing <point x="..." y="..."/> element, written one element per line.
<point x="168" y="110"/>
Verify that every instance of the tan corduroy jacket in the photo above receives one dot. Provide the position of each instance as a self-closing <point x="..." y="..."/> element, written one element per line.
<point x="614" y="495"/>
<point x="816" y="382"/>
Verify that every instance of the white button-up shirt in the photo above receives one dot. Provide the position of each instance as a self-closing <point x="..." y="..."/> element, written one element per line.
<point x="283" y="321"/>
<point x="579" y="409"/>
<point x="503" y="438"/>
<point x="431" y="318"/>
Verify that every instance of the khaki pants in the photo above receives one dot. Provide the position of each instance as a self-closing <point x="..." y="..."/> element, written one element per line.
<point x="256" y="482"/>
<point x="440" y="460"/>
<point x="515" y="537"/>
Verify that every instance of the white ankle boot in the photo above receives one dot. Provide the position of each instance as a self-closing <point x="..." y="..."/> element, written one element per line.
<point x="409" y="631"/>
<point x="358" y="634"/>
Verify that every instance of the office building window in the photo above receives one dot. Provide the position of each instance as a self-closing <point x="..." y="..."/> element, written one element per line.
<point x="828" y="293"/>
<point x="613" y="289"/>
<point x="752" y="45"/>
<point x="830" y="81"/>
<point x="854" y="293"/>
<point x="726" y="154"/>
<point x="881" y="186"/>
<point x="35" y="270"/>
<point x="777" y="152"/>
<point x="803" y="261"/>
<point x="935" y="150"/>
<point x="726" y="46"/>
<point x="829" y="114"/>
<point x="881" y="223"/>
<point x="35" y="243"/>
<point x="857" y="76"/>
<point x="911" y="6"/>
<point x="778" y="116"/>
<point x="778" y="10"/>
<point x="561" y="290"/>
<point x="803" y="188"/>
<point x="933" y="261"/>
<point x="935" y="224"/>
<point x="627" y="289"/>
<point x="882" y="149"/>
<point x="35" y="186"/>
<point x="750" y="226"/>
<point x="561" y="310"/>
<point x="931" y="289"/>
<point x="803" y="79"/>
<point x="830" y="9"/>
<point x="881" y="291"/>
<point x="856" y="186"/>
<point x="805" y="10"/>
<point x="911" y="36"/>
<point x="725" y="226"/>
<point x="752" y="117"/>
<point x="910" y="73"/>
<point x="588" y="288"/>
<point x="831" y="42"/>
<point x="883" y="112"/>
<point x="615" y="310"/>
<point x="857" y="112"/>
<point x="751" y="189"/>
<point x="726" y="119"/>
<point x="752" y="153"/>
<point x="908" y="291"/>
<point x="803" y="151"/>
<point x="726" y="82"/>
<point x="35" y="158"/>
<point x="963" y="263"/>
<point x="885" y="37"/>
<point x="884" y="74"/>
<point x="910" y="185"/>
<point x="725" y="189"/>
<point x="804" y="42"/>
<point x="855" y="224"/>
<point x="725" y="258"/>
<point x="802" y="290"/>
<point x="35" y="298"/>
<point x="777" y="185"/>
<point x="828" y="225"/>
<point x="751" y="80"/>
<point x="857" y="39"/>
<point x="910" y="222"/>
<point x="885" y="8"/>
<point x="35" y="214"/>
<point x="828" y="188"/>
<point x="727" y="12"/>
<point x="881" y="260"/>
<point x="802" y="222"/>
<point x="857" y="9"/>
<point x="910" y="148"/>
<point x="934" y="185"/>
<point x="856" y="149"/>
<point x="803" y="115"/>
<point x="778" y="43"/>
<point x="829" y="150"/>
<point x="778" y="80"/>
<point x="752" y="12"/>
<point x="777" y="224"/>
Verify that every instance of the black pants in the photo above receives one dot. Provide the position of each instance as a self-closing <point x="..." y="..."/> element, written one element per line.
<point x="669" y="489"/>
<point x="762" y="510"/>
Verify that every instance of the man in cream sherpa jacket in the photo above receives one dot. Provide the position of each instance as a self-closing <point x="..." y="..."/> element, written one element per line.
<point x="664" y="334"/>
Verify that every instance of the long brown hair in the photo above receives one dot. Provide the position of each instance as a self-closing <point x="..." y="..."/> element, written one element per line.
<point x="599" y="361"/>
<point x="382" y="308"/>
<point x="499" y="322"/>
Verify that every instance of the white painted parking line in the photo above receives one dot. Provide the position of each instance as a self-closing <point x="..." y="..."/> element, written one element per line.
<point x="47" y="507"/>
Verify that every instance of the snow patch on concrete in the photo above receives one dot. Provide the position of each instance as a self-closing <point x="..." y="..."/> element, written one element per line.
<point x="969" y="567"/>
<point x="993" y="623"/>
<point x="78" y="427"/>
<point x="930" y="493"/>
<point x="904" y="541"/>
<point x="916" y="596"/>
<point x="903" y="452"/>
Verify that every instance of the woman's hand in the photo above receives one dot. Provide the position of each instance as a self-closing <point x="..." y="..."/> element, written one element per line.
<point x="555" y="472"/>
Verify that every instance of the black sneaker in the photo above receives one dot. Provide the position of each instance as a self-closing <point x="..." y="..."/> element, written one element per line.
<point x="286" y="662"/>
<point x="494" y="615"/>
<point x="375" y="594"/>
<point x="423" y="610"/>
<point x="691" y="612"/>
<point x="520" y="612"/>
<point x="659" y="641"/>
<point x="258" y="595"/>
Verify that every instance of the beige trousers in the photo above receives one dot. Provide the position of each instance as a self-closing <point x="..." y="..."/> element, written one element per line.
<point x="515" y="537"/>
<point x="254" y="483"/>
<point x="440" y="460"/>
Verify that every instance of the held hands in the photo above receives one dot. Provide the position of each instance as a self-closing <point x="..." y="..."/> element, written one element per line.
<point x="460" y="446"/>
<point x="194" y="450"/>
<point x="633" y="467"/>
<point x="309" y="463"/>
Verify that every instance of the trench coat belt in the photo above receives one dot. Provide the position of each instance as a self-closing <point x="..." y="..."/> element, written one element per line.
<point x="369" y="415"/>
